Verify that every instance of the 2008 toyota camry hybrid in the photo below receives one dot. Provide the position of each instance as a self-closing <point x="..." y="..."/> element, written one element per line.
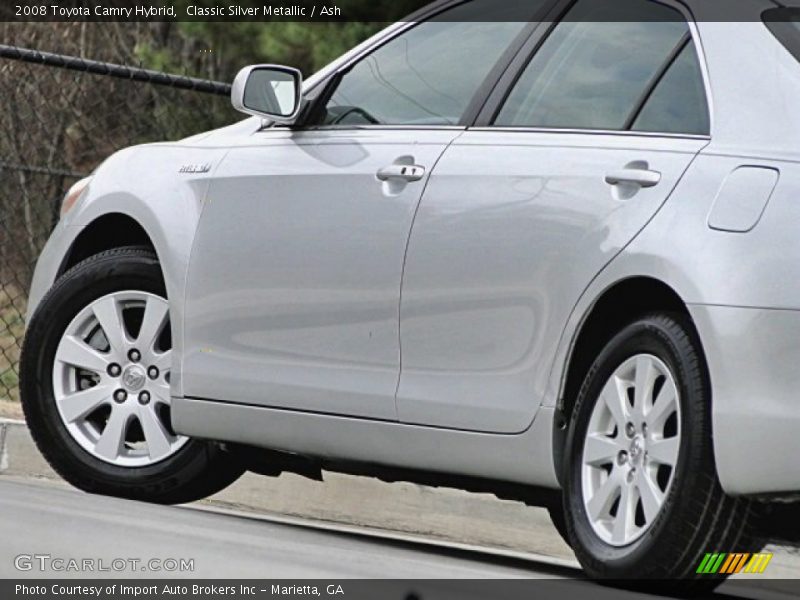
<point x="545" y="249"/>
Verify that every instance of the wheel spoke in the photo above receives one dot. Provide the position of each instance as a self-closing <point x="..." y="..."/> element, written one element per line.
<point x="623" y="521"/>
<point x="664" y="405"/>
<point x="161" y="390"/>
<point x="109" y="445"/>
<point x="75" y="352"/>
<point x="614" y="396"/>
<point x="157" y="438"/>
<point x="600" y="450"/>
<point x="108" y="315"/>
<point x="74" y="406"/>
<point x="664" y="451"/>
<point x="603" y="498"/>
<point x="163" y="361"/>
<point x="652" y="497"/>
<point x="645" y="379"/>
<point x="155" y="316"/>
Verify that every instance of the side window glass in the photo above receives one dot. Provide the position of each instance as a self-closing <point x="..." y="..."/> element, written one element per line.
<point x="678" y="103"/>
<point x="429" y="74"/>
<point x="597" y="66"/>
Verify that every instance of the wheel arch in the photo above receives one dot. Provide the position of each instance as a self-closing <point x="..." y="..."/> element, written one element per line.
<point x="106" y="232"/>
<point x="617" y="305"/>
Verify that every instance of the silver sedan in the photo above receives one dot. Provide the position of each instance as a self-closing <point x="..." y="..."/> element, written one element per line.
<point x="543" y="249"/>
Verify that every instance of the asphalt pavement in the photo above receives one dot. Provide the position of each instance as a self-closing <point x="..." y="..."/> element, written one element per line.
<point x="55" y="529"/>
<point x="42" y="518"/>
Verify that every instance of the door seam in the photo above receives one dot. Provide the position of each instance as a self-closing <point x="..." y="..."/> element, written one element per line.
<point x="403" y="272"/>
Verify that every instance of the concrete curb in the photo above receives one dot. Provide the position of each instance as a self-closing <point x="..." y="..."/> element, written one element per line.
<point x="3" y="456"/>
<point x="18" y="453"/>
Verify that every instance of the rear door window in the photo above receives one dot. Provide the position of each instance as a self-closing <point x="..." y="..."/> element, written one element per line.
<point x="678" y="102"/>
<point x="622" y="65"/>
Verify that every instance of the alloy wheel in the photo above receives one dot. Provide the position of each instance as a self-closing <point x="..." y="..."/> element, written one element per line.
<point x="111" y="379"/>
<point x="631" y="450"/>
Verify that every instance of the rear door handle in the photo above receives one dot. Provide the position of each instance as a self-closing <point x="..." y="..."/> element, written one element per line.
<point x="642" y="177"/>
<point x="402" y="172"/>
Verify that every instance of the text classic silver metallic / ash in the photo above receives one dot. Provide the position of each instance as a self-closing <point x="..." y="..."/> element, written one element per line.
<point x="546" y="249"/>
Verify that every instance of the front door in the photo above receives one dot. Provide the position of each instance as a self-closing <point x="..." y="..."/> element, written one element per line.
<point x="293" y="294"/>
<point x="294" y="280"/>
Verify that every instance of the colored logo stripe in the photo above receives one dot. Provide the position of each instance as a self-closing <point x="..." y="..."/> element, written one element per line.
<point x="730" y="563"/>
<point x="711" y="563"/>
<point x="758" y="563"/>
<point x="734" y="563"/>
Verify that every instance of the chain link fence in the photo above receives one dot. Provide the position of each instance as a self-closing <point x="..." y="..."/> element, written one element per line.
<point x="62" y="114"/>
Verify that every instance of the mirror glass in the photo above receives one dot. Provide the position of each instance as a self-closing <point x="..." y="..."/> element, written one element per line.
<point x="271" y="91"/>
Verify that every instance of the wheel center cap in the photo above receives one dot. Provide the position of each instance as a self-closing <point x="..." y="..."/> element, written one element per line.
<point x="134" y="378"/>
<point x="637" y="448"/>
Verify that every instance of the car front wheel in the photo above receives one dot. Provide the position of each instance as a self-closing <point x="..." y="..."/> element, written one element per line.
<point x="95" y="385"/>
<point x="641" y="496"/>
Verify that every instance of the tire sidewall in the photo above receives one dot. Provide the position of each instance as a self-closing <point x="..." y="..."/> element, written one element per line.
<point x="646" y="336"/>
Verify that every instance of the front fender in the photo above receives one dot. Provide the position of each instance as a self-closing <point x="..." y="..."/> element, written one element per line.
<point x="162" y="187"/>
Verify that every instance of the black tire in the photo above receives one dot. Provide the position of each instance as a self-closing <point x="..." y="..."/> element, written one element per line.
<point x="697" y="516"/>
<point x="197" y="470"/>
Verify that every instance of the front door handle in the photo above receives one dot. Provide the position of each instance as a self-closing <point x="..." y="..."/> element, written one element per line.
<point x="401" y="172"/>
<point x="643" y="177"/>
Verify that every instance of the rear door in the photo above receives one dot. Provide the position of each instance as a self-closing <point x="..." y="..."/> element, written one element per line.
<point x="522" y="212"/>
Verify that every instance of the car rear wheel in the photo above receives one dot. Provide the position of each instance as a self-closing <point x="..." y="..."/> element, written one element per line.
<point x="95" y="385"/>
<point x="641" y="497"/>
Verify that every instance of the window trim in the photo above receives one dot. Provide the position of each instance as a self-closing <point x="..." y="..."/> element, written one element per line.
<point x="486" y="119"/>
<point x="327" y="87"/>
<point x="598" y="132"/>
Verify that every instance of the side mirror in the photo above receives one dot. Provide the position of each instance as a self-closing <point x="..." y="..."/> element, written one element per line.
<point x="270" y="91"/>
